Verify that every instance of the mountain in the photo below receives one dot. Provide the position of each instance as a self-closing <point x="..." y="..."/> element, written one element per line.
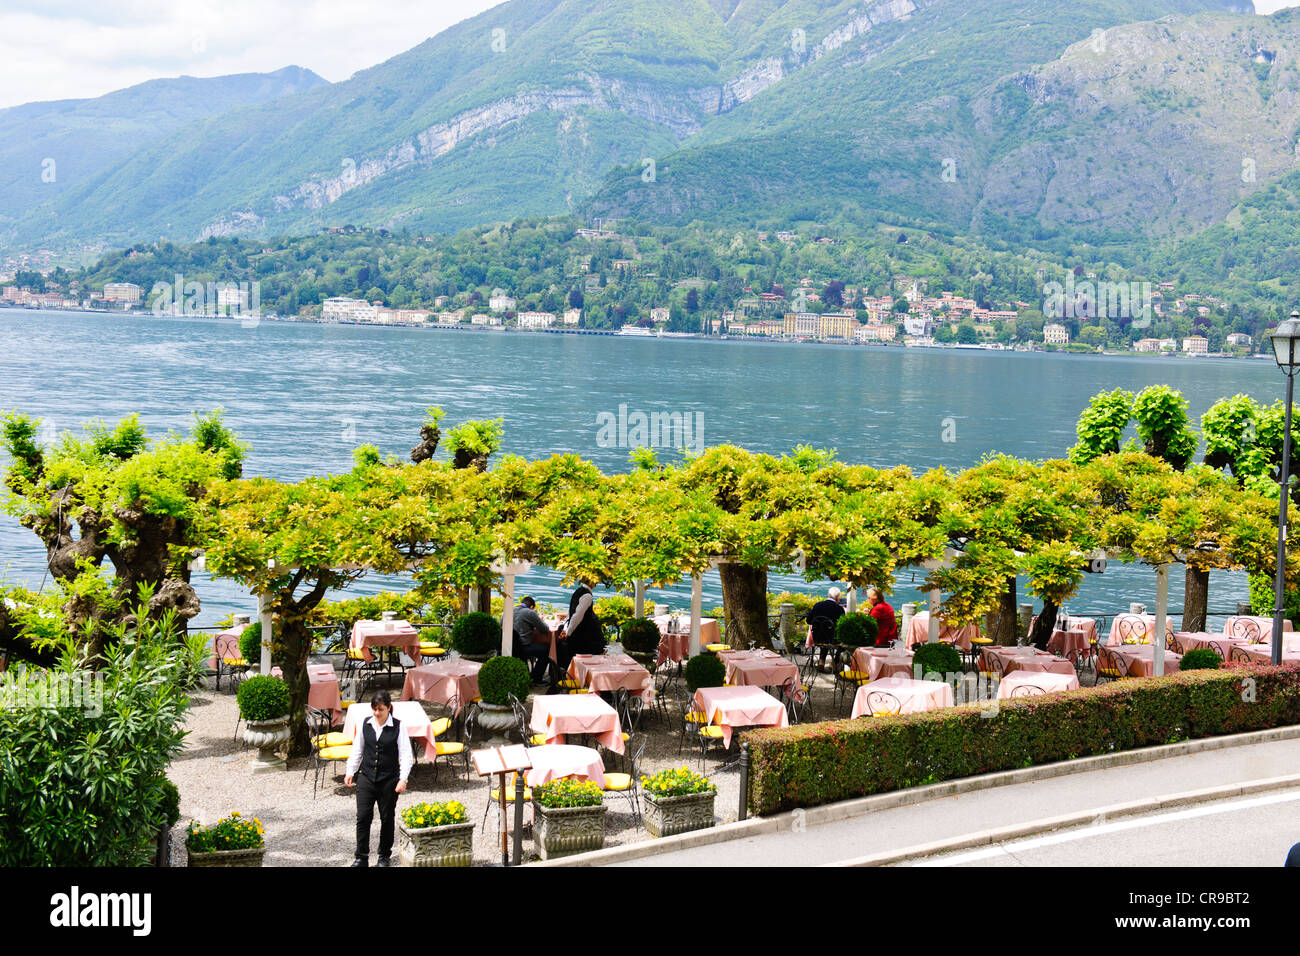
<point x="47" y="149"/>
<point x="669" y="110"/>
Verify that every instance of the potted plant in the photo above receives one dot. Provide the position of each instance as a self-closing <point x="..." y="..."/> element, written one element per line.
<point x="677" y="801"/>
<point x="856" y="630"/>
<point x="264" y="706"/>
<point x="233" y="841"/>
<point x="941" y="659"/>
<point x="705" y="670"/>
<point x="568" y="817"/>
<point x="476" y="636"/>
<point x="641" y="640"/>
<point x="436" y="834"/>
<point x="171" y="808"/>
<point x="1200" y="659"/>
<point x="498" y="679"/>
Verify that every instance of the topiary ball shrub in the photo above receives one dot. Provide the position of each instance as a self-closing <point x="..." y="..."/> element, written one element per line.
<point x="936" y="659"/>
<point x="500" y="677"/>
<point x="171" y="802"/>
<point x="705" y="670"/>
<point x="263" y="698"/>
<point x="857" y="630"/>
<point x="476" y="634"/>
<point x="641" y="636"/>
<point x="250" y="643"/>
<point x="1201" y="659"/>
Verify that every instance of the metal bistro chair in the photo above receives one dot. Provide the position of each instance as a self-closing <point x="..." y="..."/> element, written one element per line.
<point x="526" y="734"/>
<point x="691" y="720"/>
<point x="797" y="698"/>
<point x="1132" y="629"/>
<point x="1239" y="654"/>
<point x="328" y="746"/>
<point x="849" y="677"/>
<point x="1172" y="643"/>
<point x="1222" y="648"/>
<point x="626" y="783"/>
<point x="883" y="704"/>
<point x="1244" y="627"/>
<point x="1027" y="690"/>
<point x="1109" y="665"/>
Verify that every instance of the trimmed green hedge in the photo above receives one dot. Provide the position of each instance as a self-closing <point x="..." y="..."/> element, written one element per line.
<point x="811" y="764"/>
<point x="856" y="630"/>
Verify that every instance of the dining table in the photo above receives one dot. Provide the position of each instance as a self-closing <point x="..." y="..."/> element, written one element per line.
<point x="913" y="696"/>
<point x="557" y="715"/>
<point x="607" y="673"/>
<point x="758" y="668"/>
<point x="877" y="662"/>
<point x="443" y="682"/>
<point x="1009" y="659"/>
<point x="323" y="690"/>
<point x="409" y="712"/>
<point x="729" y="708"/>
<point x="1049" y="682"/>
<point x="1140" y="659"/>
<point x="1135" y="628"/>
<point x="959" y="636"/>
<point x="557" y="761"/>
<point x="399" y="634"/>
<point x="1254" y="629"/>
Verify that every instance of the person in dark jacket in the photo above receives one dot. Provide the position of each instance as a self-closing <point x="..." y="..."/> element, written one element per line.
<point x="380" y="763"/>
<point x="582" y="630"/>
<point x="822" y="618"/>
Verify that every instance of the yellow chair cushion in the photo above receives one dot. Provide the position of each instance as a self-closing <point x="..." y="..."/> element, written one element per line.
<point x="431" y="650"/>
<point x="695" y="717"/>
<point x="332" y="739"/>
<point x="234" y="662"/>
<point x="714" y="648"/>
<point x="336" y="753"/>
<point x="712" y="732"/>
<point x="356" y="655"/>
<point x="440" y="726"/>
<point x="981" y="640"/>
<point x="618" y="781"/>
<point x="345" y="704"/>
<point x="579" y="690"/>
<point x="855" y="675"/>
<point x="510" y="794"/>
<point x="537" y="740"/>
<point x="446" y="750"/>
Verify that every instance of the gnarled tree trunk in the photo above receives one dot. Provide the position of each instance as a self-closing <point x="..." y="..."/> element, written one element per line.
<point x="1001" y="624"/>
<point x="1041" y="632"/>
<point x="1196" y="598"/>
<point x="744" y="599"/>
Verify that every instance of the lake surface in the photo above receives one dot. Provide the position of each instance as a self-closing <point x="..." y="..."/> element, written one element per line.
<point x="305" y="395"/>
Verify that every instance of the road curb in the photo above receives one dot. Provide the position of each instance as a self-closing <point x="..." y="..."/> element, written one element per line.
<point x="847" y="809"/>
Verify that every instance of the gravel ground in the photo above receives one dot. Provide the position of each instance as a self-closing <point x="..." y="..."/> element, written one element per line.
<point x="214" y="778"/>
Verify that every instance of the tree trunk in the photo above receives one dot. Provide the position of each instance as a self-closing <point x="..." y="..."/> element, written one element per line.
<point x="1041" y="632"/>
<point x="1196" y="598"/>
<point x="744" y="600"/>
<point x="1001" y="624"/>
<point x="484" y="600"/>
<point x="297" y="651"/>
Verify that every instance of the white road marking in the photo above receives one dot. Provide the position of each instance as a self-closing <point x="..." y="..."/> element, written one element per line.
<point x="1088" y="832"/>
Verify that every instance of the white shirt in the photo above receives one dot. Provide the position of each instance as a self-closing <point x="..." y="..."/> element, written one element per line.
<point x="404" y="756"/>
<point x="584" y="603"/>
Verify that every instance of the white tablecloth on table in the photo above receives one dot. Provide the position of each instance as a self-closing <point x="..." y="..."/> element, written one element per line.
<point x="1046" y="681"/>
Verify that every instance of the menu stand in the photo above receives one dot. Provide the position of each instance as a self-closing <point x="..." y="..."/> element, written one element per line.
<point x="502" y="761"/>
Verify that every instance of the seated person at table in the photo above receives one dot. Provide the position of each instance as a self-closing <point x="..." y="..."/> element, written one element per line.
<point x="884" y="615"/>
<point x="822" y="618"/>
<point x="583" y="631"/>
<point x="532" y="637"/>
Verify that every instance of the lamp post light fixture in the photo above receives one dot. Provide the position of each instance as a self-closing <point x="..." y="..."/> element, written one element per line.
<point x="1286" y="349"/>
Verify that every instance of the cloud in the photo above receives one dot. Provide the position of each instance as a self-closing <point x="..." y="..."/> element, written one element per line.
<point x="1272" y="6"/>
<point x="60" y="49"/>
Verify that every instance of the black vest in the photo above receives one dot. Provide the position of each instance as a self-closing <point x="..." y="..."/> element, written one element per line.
<point x="379" y="756"/>
<point x="589" y="638"/>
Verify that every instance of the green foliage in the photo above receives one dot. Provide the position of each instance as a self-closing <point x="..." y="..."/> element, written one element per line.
<point x="1200" y="659"/>
<point x="425" y="815"/>
<point x="677" y="783"/>
<point x="936" y="659"/>
<point x="640" y="636"/>
<point x="476" y="438"/>
<point x="250" y="643"/>
<point x="171" y="802"/>
<point x="615" y="609"/>
<point x="411" y="606"/>
<point x="213" y="437"/>
<point x="124" y="441"/>
<point x="1263" y="592"/>
<point x="856" y="630"/>
<point x="476" y="634"/>
<point x="235" y="832"/>
<point x="84" y="784"/>
<point x="1101" y="425"/>
<point x="263" y="697"/>
<point x="568" y="792"/>
<point x="1161" y="415"/>
<point x="705" y="670"/>
<point x="500" y="677"/>
<point x="813" y="764"/>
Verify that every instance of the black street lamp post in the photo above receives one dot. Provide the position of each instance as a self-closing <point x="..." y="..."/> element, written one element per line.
<point x="1286" y="349"/>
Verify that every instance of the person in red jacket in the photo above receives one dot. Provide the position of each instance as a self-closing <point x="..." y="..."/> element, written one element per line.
<point x="884" y="615"/>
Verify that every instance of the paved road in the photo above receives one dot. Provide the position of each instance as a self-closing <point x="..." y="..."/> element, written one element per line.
<point x="1247" y="831"/>
<point x="902" y="827"/>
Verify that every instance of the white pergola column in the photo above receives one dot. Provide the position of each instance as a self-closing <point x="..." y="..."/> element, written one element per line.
<point x="264" y="616"/>
<point x="853" y="598"/>
<point x="936" y="599"/>
<point x="697" y="601"/>
<point x="638" y="599"/>
<point x="1162" y="608"/>
<point x="508" y="571"/>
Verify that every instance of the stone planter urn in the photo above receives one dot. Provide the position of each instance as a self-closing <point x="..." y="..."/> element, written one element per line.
<point x="666" y="816"/>
<point x="266" y="736"/>
<point x="450" y="845"/>
<point x="496" y="721"/>
<point x="567" y="830"/>
<point x="226" y="857"/>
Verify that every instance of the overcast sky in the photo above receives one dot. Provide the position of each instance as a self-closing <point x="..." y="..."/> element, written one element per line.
<point x="56" y="49"/>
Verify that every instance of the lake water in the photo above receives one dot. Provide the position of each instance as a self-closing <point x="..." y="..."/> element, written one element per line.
<point x="305" y="395"/>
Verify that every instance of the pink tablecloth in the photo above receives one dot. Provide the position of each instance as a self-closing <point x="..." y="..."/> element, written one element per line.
<point x="1071" y="644"/>
<point x="368" y="634"/>
<point x="1256" y="629"/>
<point x="878" y="662"/>
<point x="759" y="668"/>
<point x="1141" y="659"/>
<point x="732" y="707"/>
<point x="558" y="714"/>
<point x="323" y="690"/>
<point x="1037" y="664"/>
<point x="606" y="673"/>
<point x="915" y="696"/>
<point x="1086" y="624"/>
<point x="443" y="682"/>
<point x="1263" y="653"/>
<point x="1004" y="660"/>
<point x="676" y="647"/>
<point x="1046" y="681"/>
<point x="1141" y="626"/>
<point x="920" y="632"/>
<point x="409" y="712"/>
<point x="1203" y="641"/>
<point x="225" y="644"/>
<point x="555" y="761"/>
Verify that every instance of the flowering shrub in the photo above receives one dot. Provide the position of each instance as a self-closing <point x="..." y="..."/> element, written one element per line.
<point x="424" y="815"/>
<point x="676" y="783"/>
<point x="235" y="832"/>
<point x="567" y="792"/>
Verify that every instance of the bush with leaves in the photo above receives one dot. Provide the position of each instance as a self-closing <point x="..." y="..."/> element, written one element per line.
<point x="263" y="698"/>
<point x="171" y="802"/>
<point x="476" y="634"/>
<point x="936" y="659"/>
<point x="501" y="677"/>
<point x="566" y="793"/>
<point x="856" y="630"/>
<point x="615" y="609"/>
<point x="641" y="636"/>
<point x="85" y="784"/>
<point x="705" y="670"/>
<point x="1201" y="659"/>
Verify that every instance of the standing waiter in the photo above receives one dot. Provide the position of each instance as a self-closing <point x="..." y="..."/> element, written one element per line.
<point x="583" y="632"/>
<point x="384" y="760"/>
